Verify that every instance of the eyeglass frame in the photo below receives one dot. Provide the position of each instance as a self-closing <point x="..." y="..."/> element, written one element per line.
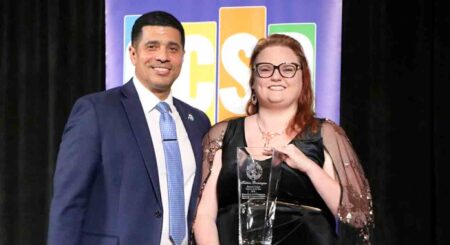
<point x="277" y="67"/>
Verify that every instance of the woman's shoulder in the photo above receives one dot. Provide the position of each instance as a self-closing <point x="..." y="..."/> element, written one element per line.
<point x="217" y="131"/>
<point x="329" y="128"/>
<point x="224" y="124"/>
<point x="218" y="128"/>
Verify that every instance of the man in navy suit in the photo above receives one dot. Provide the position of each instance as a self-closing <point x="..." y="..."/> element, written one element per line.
<point x="110" y="183"/>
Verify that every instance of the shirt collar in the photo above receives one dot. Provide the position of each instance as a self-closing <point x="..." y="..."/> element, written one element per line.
<point x="148" y="99"/>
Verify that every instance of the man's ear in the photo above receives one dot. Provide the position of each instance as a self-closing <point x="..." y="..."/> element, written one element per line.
<point x="182" y="57"/>
<point x="132" y="53"/>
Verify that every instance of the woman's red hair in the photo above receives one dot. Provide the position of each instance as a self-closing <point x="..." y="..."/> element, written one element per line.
<point x="305" y="114"/>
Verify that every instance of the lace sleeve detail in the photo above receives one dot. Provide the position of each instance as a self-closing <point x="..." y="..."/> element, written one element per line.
<point x="355" y="207"/>
<point x="212" y="142"/>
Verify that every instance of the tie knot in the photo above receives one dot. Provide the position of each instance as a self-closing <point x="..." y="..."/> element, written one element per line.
<point x="163" y="107"/>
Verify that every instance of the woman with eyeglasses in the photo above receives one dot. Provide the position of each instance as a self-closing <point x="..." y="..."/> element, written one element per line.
<point x="323" y="196"/>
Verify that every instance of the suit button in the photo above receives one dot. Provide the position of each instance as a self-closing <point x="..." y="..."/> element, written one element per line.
<point x="158" y="214"/>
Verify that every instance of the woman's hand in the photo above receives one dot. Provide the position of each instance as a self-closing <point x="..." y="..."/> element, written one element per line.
<point x="295" y="158"/>
<point x="322" y="178"/>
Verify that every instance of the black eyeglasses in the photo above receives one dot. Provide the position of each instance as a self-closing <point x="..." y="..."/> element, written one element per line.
<point x="286" y="70"/>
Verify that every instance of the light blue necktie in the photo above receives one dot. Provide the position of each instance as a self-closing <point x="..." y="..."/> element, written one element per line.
<point x="175" y="183"/>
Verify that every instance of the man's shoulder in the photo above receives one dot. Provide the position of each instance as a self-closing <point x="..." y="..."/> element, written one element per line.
<point x="102" y="96"/>
<point x="102" y="101"/>
<point x="185" y="106"/>
<point x="192" y="113"/>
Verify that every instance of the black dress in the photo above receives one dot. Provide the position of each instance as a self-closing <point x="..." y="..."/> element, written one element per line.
<point x="301" y="217"/>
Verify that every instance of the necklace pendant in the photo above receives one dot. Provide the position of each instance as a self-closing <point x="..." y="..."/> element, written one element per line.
<point x="266" y="140"/>
<point x="266" y="136"/>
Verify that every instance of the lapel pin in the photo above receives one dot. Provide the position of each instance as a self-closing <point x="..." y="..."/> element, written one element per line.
<point x="190" y="117"/>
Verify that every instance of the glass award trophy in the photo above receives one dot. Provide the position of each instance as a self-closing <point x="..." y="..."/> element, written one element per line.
<point x="258" y="175"/>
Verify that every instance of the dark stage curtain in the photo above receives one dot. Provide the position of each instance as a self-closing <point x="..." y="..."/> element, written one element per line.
<point x="51" y="53"/>
<point x="395" y="64"/>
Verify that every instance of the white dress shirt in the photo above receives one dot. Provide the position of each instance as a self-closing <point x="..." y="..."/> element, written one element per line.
<point x="149" y="101"/>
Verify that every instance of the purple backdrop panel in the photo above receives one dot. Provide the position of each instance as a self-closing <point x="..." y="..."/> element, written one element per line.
<point x="219" y="38"/>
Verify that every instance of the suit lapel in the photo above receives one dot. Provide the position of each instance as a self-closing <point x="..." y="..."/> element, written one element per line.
<point x="189" y="124"/>
<point x="140" y="130"/>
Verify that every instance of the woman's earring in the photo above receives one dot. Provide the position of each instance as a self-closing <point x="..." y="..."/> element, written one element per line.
<point x="254" y="99"/>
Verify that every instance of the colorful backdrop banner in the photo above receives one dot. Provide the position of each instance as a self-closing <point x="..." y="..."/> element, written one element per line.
<point x="220" y="36"/>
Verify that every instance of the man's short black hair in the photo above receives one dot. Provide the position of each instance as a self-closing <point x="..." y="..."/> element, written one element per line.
<point x="155" y="18"/>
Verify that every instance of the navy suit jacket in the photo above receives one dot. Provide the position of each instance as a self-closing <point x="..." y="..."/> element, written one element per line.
<point x="106" y="185"/>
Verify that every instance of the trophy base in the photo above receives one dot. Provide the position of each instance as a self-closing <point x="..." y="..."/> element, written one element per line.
<point x="255" y="243"/>
<point x="256" y="230"/>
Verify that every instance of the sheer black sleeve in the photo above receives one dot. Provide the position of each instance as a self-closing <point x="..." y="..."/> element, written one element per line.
<point x="355" y="211"/>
